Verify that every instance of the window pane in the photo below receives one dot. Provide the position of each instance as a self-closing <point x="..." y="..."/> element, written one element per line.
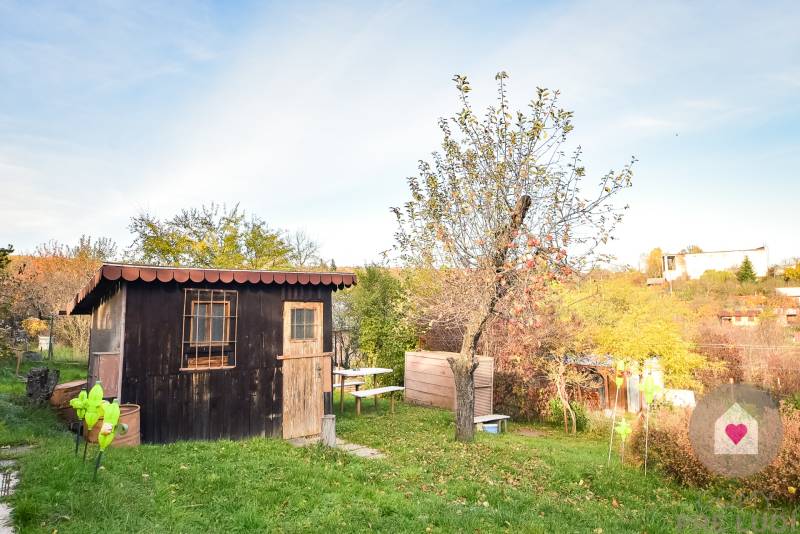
<point x="218" y="329"/>
<point x="200" y="324"/>
<point x="309" y="317"/>
<point x="309" y="331"/>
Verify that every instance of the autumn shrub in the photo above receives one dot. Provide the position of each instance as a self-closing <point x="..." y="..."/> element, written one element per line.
<point x="670" y="448"/>
<point x="34" y="326"/>
<point x="519" y="395"/>
<point x="777" y="479"/>
<point x="557" y="414"/>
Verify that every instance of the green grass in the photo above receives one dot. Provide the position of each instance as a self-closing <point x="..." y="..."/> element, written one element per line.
<point x="427" y="482"/>
<point x="61" y="353"/>
<point x="20" y="423"/>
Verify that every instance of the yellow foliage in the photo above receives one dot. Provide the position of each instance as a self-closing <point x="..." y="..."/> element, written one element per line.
<point x="626" y="320"/>
<point x="34" y="326"/>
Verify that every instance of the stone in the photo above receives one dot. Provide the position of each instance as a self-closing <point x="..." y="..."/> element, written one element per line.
<point x="32" y="356"/>
<point x="41" y="383"/>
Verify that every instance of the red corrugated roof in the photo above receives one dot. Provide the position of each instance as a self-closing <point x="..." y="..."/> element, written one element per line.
<point x="113" y="271"/>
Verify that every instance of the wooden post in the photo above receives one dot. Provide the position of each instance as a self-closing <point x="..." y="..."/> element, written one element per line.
<point x="329" y="430"/>
<point x="341" y="394"/>
<point x="391" y="396"/>
<point x="376" y="403"/>
<point x="358" y="405"/>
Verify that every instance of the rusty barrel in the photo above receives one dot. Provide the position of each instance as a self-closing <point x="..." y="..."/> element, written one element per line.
<point x="128" y="415"/>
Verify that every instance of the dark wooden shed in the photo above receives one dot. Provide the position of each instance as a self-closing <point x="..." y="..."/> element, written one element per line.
<point x="210" y="353"/>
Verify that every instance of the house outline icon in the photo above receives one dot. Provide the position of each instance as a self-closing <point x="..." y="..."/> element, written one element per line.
<point x="734" y="417"/>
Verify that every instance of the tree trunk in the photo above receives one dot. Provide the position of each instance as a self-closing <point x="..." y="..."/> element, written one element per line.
<point x="463" y="368"/>
<point x="465" y="364"/>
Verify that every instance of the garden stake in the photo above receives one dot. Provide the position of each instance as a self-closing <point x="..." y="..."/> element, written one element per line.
<point x="111" y="426"/>
<point x="624" y="430"/>
<point x="79" y="404"/>
<point x="97" y="464"/>
<point x="85" y="445"/>
<point x="618" y="380"/>
<point x="78" y="437"/>
<point x="646" y="436"/>
<point x="649" y="388"/>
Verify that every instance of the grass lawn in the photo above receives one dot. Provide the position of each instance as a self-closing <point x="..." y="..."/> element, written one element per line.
<point x="426" y="483"/>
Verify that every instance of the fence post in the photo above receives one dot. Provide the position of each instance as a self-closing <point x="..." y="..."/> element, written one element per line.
<point x="329" y="430"/>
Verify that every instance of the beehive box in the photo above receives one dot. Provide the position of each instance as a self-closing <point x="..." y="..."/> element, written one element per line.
<point x="429" y="381"/>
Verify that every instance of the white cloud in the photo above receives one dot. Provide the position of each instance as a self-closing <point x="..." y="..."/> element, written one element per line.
<point x="312" y="116"/>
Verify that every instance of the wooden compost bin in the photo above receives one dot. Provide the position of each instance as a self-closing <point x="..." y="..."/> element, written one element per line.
<point x="429" y="381"/>
<point x="61" y="396"/>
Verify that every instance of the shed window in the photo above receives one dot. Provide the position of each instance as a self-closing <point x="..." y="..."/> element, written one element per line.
<point x="303" y="323"/>
<point x="209" y="329"/>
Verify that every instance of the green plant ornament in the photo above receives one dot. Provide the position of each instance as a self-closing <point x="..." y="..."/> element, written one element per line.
<point x="110" y="422"/>
<point x="623" y="429"/>
<point x="94" y="406"/>
<point x="650" y="388"/>
<point x="619" y="377"/>
<point x="79" y="404"/>
<point x="620" y="373"/>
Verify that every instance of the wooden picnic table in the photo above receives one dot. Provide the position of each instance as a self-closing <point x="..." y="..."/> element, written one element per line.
<point x="358" y="372"/>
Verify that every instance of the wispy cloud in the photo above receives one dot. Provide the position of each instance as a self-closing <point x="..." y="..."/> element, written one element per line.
<point x="312" y="115"/>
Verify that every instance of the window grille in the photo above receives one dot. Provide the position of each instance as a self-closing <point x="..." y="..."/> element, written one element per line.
<point x="303" y="323"/>
<point x="209" y="329"/>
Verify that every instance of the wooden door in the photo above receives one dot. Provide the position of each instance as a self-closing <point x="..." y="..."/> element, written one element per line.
<point x="104" y="367"/>
<point x="304" y="369"/>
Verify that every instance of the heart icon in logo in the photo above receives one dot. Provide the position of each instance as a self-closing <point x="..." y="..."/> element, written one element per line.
<point x="736" y="432"/>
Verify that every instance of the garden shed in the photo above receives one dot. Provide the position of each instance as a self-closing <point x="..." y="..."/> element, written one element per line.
<point x="211" y="353"/>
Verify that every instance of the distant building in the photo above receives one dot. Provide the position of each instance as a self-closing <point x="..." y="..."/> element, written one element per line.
<point x="752" y="316"/>
<point x="790" y="292"/>
<point x="684" y="265"/>
<point x="739" y="317"/>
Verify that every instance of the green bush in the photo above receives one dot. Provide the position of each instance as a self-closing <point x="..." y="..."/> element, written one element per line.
<point x="557" y="414"/>
<point x="373" y="308"/>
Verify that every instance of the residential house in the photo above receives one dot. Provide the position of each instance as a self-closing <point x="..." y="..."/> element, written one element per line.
<point x="686" y="265"/>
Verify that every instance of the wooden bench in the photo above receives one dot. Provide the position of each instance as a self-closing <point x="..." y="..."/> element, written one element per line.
<point x="352" y="383"/>
<point x="502" y="420"/>
<point x="374" y="393"/>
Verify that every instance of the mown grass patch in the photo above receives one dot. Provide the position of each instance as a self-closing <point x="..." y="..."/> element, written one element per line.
<point x="427" y="482"/>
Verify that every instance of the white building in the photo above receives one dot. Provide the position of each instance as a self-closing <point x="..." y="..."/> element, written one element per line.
<point x="693" y="265"/>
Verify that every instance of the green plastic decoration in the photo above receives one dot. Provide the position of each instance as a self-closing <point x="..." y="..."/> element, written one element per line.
<point x="110" y="421"/>
<point x="623" y="429"/>
<point x="79" y="404"/>
<point x="650" y="388"/>
<point x="620" y="375"/>
<point x="619" y="379"/>
<point x="94" y="406"/>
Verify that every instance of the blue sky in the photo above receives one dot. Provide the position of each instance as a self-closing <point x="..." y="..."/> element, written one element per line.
<point x="311" y="115"/>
